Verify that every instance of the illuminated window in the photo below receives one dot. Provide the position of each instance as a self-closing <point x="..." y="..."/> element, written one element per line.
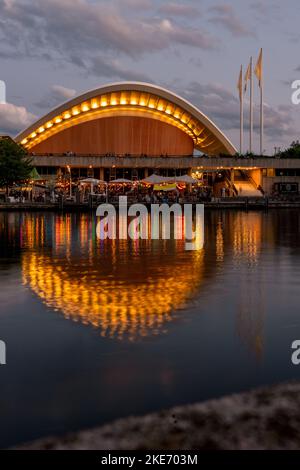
<point x="161" y="105"/>
<point x="152" y="102"/>
<point x="113" y="99"/>
<point x="123" y="99"/>
<point x="95" y="104"/>
<point x="103" y="101"/>
<point x="184" y="119"/>
<point x="144" y="100"/>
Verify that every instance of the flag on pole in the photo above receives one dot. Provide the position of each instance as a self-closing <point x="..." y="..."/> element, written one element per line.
<point x="240" y="89"/>
<point x="240" y="83"/>
<point x="259" y="74"/>
<point x="247" y="76"/>
<point x="259" y="69"/>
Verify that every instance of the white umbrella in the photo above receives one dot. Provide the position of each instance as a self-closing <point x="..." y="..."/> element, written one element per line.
<point x="156" y="179"/>
<point x="92" y="181"/>
<point x="122" y="180"/>
<point x="186" y="179"/>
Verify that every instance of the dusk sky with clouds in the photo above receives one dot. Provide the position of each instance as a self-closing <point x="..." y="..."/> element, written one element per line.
<point x="52" y="50"/>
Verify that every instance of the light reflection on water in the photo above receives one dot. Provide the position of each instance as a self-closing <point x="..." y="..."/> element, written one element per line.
<point x="126" y="288"/>
<point x="145" y="320"/>
<point x="130" y="288"/>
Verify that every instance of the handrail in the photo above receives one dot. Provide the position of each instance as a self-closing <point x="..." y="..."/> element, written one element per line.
<point x="231" y="184"/>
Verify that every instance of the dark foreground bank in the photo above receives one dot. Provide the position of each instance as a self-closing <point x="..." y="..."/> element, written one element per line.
<point x="267" y="418"/>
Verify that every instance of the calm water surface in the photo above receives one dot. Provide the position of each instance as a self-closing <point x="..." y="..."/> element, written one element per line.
<point x="97" y="330"/>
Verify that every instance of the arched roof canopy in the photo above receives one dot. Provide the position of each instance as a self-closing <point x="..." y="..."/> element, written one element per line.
<point x="131" y="99"/>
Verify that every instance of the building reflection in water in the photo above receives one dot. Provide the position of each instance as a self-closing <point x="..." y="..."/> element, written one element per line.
<point x="247" y="243"/>
<point x="219" y="241"/>
<point x="247" y="235"/>
<point x="127" y="288"/>
<point x="238" y="244"/>
<point x="134" y="288"/>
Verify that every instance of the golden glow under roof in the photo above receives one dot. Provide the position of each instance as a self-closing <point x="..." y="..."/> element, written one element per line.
<point x="133" y="99"/>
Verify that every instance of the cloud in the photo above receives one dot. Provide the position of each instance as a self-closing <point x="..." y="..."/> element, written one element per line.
<point x="179" y="9"/>
<point x="63" y="92"/>
<point x="56" y="95"/>
<point x="279" y="122"/>
<point x="216" y="102"/>
<point x="186" y="36"/>
<point x="14" y="118"/>
<point x="225" y="16"/>
<point x="195" y="61"/>
<point x="107" y="67"/>
<point x="222" y="107"/>
<point x="64" y="29"/>
<point x="265" y="11"/>
<point x="260" y="7"/>
<point x="136" y="4"/>
<point x="288" y="83"/>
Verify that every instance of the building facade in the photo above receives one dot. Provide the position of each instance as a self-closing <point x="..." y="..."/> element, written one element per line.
<point x="131" y="129"/>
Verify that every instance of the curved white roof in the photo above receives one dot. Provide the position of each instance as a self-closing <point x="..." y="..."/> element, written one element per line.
<point x="131" y="98"/>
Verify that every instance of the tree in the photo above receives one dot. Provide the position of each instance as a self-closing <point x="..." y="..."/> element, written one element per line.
<point x="15" y="164"/>
<point x="293" y="151"/>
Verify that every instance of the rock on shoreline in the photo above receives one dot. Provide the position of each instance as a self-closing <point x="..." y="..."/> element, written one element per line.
<point x="267" y="418"/>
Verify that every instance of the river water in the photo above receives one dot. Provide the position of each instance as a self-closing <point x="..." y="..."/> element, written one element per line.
<point x="97" y="330"/>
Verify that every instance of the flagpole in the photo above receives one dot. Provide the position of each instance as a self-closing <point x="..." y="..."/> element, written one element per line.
<point x="241" y="116"/>
<point x="261" y="109"/>
<point x="261" y="120"/>
<point x="251" y="107"/>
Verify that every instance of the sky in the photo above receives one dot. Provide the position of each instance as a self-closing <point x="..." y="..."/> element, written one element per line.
<point x="53" y="50"/>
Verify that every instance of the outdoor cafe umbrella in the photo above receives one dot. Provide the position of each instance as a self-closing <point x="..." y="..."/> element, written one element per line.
<point x="186" y="179"/>
<point x="155" y="179"/>
<point x="121" y="181"/>
<point x="92" y="182"/>
<point x="34" y="177"/>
